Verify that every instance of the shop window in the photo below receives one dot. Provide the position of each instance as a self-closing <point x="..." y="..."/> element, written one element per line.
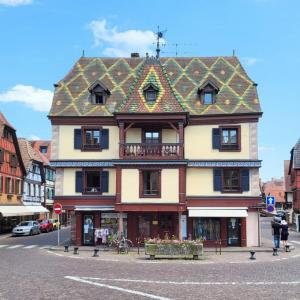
<point x="207" y="228"/>
<point x="150" y="184"/>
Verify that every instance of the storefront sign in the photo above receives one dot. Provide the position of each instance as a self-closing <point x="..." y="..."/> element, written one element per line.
<point x="112" y="215"/>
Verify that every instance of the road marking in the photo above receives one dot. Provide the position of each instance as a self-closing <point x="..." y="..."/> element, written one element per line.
<point x="296" y="242"/>
<point x="30" y="247"/>
<point x="45" y="247"/>
<point x="193" y="282"/>
<point x="2" y="246"/>
<point x="112" y="287"/>
<point x="15" y="246"/>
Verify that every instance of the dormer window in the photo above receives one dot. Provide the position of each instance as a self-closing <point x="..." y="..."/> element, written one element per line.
<point x="151" y="93"/>
<point x="99" y="93"/>
<point x="207" y="92"/>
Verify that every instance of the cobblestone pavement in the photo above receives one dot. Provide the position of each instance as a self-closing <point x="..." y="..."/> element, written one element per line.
<point x="34" y="273"/>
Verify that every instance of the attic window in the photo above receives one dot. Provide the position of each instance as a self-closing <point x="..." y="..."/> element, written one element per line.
<point x="150" y="93"/>
<point x="99" y="93"/>
<point x="208" y="92"/>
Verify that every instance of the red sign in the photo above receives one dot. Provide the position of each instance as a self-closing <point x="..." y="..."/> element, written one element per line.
<point x="57" y="208"/>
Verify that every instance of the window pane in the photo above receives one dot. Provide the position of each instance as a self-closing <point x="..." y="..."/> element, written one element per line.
<point x="208" y="98"/>
<point x="92" y="181"/>
<point x="231" y="180"/>
<point x="150" y="182"/>
<point x="207" y="228"/>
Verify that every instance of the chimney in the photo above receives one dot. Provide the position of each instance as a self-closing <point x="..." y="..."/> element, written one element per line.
<point x="135" y="55"/>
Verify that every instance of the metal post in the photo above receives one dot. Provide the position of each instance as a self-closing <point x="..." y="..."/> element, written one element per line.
<point x="259" y="230"/>
<point x="58" y="232"/>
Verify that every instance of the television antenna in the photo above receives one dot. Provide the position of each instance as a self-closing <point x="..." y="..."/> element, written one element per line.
<point x="159" y="35"/>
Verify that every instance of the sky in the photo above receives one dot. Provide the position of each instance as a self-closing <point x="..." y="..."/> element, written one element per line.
<point x="40" y="40"/>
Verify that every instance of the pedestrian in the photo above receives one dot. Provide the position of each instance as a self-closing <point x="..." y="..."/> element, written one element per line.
<point x="284" y="232"/>
<point x="276" y="228"/>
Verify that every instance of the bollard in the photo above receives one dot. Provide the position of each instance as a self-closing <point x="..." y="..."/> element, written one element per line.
<point x="96" y="250"/>
<point x="66" y="248"/>
<point x="275" y="252"/>
<point x="287" y="248"/>
<point x="75" y="250"/>
<point x="252" y="254"/>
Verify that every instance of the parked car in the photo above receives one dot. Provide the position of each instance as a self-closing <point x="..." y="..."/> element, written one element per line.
<point x="26" y="228"/>
<point x="55" y="223"/>
<point x="46" y="226"/>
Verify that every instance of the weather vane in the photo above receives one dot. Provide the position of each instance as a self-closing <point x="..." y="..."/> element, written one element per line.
<point x="159" y="35"/>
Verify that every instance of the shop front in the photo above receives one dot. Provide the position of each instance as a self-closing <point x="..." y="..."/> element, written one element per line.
<point x="227" y="225"/>
<point x="96" y="225"/>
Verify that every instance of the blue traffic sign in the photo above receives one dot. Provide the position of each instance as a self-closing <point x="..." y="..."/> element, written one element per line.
<point x="270" y="200"/>
<point x="270" y="208"/>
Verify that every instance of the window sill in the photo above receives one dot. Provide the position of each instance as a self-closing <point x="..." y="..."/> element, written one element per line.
<point x="150" y="196"/>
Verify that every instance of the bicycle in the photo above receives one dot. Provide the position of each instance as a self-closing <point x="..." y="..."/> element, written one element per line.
<point x="124" y="245"/>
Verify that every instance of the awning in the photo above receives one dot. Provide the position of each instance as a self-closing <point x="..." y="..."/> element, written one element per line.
<point x="36" y="209"/>
<point x="14" y="211"/>
<point x="230" y="212"/>
<point x="94" y="208"/>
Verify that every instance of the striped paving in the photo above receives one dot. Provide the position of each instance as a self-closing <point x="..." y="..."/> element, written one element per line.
<point x="24" y="247"/>
<point x="295" y="242"/>
<point x="15" y="246"/>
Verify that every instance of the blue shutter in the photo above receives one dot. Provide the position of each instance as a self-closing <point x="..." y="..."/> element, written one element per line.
<point x="79" y="182"/>
<point x="245" y="180"/>
<point x="216" y="138"/>
<point x="104" y="139"/>
<point x="217" y="179"/>
<point x="77" y="139"/>
<point x="104" y="178"/>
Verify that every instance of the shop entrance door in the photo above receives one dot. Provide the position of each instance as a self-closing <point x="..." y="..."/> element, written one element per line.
<point x="166" y="225"/>
<point x="233" y="232"/>
<point x="88" y="230"/>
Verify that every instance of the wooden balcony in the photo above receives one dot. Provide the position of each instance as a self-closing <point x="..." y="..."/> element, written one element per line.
<point x="151" y="151"/>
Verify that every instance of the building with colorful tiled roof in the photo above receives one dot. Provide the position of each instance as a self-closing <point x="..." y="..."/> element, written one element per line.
<point x="153" y="147"/>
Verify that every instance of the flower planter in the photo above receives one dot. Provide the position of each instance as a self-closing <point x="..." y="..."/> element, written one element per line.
<point x="174" y="249"/>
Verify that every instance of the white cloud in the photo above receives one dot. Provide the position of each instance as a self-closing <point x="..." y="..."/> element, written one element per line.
<point x="250" y="61"/>
<point x="33" y="137"/>
<point x="266" y="148"/>
<point x="35" y="98"/>
<point x="122" y="43"/>
<point x="15" y="2"/>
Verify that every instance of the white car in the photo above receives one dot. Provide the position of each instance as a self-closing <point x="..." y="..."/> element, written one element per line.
<point x="27" y="228"/>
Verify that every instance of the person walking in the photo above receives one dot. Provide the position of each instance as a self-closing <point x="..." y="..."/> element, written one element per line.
<point x="276" y="228"/>
<point x="284" y="232"/>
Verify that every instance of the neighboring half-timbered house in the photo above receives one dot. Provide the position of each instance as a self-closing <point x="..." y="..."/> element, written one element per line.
<point x="12" y="172"/>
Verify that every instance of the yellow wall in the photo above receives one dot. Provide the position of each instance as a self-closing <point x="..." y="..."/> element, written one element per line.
<point x="69" y="180"/>
<point x="134" y="135"/>
<point x="169" y="187"/>
<point x="66" y="145"/>
<point x="199" y="182"/>
<point x="198" y="143"/>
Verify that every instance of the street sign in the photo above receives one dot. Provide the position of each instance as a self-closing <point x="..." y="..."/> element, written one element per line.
<point x="57" y="208"/>
<point x="270" y="208"/>
<point x="270" y="200"/>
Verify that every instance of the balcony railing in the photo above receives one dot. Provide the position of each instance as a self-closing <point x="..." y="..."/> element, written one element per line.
<point x="151" y="151"/>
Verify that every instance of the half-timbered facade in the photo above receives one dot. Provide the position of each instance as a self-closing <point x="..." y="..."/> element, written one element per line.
<point x="11" y="177"/>
<point x="33" y="185"/>
<point x="158" y="147"/>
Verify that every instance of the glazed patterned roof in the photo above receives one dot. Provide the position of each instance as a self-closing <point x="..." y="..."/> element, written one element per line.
<point x="178" y="79"/>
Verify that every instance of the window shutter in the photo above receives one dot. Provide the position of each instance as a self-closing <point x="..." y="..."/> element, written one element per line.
<point x="79" y="182"/>
<point x="216" y="138"/>
<point x="104" y="139"/>
<point x="245" y="180"/>
<point x="77" y="139"/>
<point x="105" y="177"/>
<point x="217" y="179"/>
